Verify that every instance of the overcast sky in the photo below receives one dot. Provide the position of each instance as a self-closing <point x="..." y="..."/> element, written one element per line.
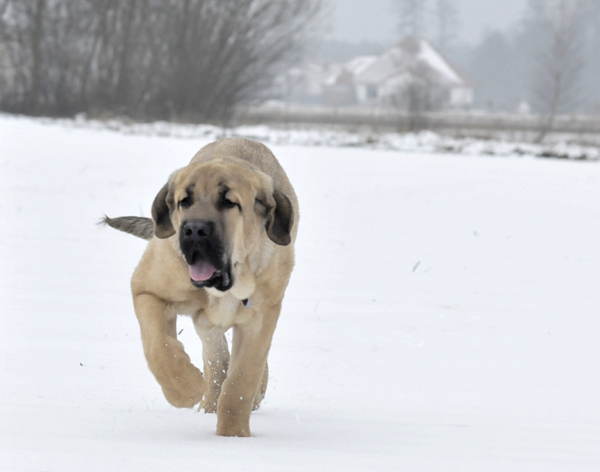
<point x="376" y="20"/>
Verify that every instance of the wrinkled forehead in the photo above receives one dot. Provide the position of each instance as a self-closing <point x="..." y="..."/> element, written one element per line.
<point x="208" y="178"/>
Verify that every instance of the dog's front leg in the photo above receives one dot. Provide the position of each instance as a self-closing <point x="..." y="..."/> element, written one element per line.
<point x="182" y="383"/>
<point x="216" y="361"/>
<point x="251" y="343"/>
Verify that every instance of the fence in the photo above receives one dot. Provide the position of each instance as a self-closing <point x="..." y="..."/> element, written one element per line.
<point x="457" y="122"/>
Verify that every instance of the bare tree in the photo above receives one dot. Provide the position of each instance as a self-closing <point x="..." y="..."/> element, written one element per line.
<point x="559" y="64"/>
<point x="418" y="89"/>
<point x="149" y="58"/>
<point x="234" y="54"/>
<point x="22" y="28"/>
<point x="413" y="17"/>
<point x="37" y="37"/>
<point x="446" y="14"/>
<point x="422" y="95"/>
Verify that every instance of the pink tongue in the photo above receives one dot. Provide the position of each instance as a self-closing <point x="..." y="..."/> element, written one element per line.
<point x="202" y="270"/>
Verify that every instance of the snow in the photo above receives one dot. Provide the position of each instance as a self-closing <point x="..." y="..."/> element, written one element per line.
<point x="431" y="57"/>
<point x="423" y="141"/>
<point x="443" y="314"/>
<point x="358" y="65"/>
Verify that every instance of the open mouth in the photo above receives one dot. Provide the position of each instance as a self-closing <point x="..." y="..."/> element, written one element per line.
<point x="203" y="251"/>
<point x="204" y="274"/>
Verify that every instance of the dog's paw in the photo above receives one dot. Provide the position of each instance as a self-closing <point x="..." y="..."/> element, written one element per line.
<point x="233" y="415"/>
<point x="186" y="388"/>
<point x="182" y="382"/>
<point x="209" y="402"/>
<point x="233" y="427"/>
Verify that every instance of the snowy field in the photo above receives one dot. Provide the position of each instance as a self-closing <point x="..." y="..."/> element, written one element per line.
<point x="555" y="146"/>
<point x="444" y="314"/>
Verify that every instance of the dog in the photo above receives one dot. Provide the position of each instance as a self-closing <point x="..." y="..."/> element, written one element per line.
<point x="221" y="250"/>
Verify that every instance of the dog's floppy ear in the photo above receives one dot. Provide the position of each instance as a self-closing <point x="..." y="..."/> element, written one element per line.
<point x="280" y="218"/>
<point x="161" y="214"/>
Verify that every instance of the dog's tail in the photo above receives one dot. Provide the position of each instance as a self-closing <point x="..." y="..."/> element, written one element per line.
<point x="136" y="225"/>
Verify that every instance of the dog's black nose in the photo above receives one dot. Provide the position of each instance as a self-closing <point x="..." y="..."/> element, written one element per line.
<point x="196" y="230"/>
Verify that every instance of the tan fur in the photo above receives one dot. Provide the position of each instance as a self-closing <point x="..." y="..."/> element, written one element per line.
<point x="232" y="384"/>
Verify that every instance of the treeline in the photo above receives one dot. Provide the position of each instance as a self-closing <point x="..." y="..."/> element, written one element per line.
<point x="167" y="59"/>
<point x="551" y="60"/>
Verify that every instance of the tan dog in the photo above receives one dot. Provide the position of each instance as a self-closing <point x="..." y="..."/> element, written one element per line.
<point x="222" y="252"/>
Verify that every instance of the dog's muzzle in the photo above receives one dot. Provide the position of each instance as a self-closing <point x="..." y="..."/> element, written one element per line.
<point x="204" y="254"/>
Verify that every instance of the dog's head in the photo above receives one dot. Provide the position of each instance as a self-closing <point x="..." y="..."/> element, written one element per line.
<point x="225" y="213"/>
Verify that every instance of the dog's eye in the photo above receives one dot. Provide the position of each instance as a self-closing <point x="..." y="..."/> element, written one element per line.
<point x="186" y="202"/>
<point x="226" y="203"/>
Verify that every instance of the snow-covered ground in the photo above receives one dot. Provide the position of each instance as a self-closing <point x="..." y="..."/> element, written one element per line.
<point x="422" y="142"/>
<point x="444" y="313"/>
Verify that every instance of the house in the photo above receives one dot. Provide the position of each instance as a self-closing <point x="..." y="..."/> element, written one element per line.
<point x="411" y="75"/>
<point x="413" y="70"/>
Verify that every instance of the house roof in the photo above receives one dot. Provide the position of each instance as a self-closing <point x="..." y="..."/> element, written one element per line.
<point x="360" y="63"/>
<point x="434" y="59"/>
<point x="355" y="67"/>
<point x="398" y="62"/>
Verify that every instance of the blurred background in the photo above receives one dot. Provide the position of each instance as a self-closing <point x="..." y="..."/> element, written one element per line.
<point x="454" y="66"/>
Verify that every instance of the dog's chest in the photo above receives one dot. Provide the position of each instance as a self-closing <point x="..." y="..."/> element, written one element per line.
<point x="227" y="311"/>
